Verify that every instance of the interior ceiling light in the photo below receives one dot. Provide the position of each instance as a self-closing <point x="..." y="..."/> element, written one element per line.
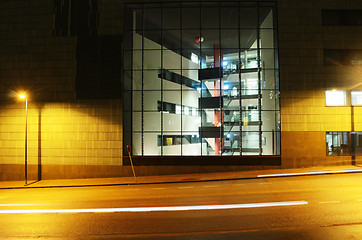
<point x="199" y="39"/>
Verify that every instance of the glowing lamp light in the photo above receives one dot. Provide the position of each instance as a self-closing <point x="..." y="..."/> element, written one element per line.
<point x="224" y="63"/>
<point x="226" y="87"/>
<point x="22" y="96"/>
<point x="199" y="39"/>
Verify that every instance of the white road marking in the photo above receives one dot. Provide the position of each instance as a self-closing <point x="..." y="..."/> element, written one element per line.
<point x="158" y="209"/>
<point x="309" y="173"/>
<point x="329" y="202"/>
<point x="211" y="186"/>
<point x="239" y="184"/>
<point x="19" y="204"/>
<point x="185" y="187"/>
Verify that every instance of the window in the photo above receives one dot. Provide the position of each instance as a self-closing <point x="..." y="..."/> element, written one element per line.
<point x="346" y="17"/>
<point x="170" y="140"/>
<point x="194" y="112"/>
<point x="344" y="143"/>
<point x="356" y="97"/>
<point x="194" y="58"/>
<point x="186" y="110"/>
<point x="178" y="109"/>
<point x="75" y="18"/>
<point x="342" y="57"/>
<point x="335" y="98"/>
<point x="338" y="143"/>
<point x="356" y="143"/>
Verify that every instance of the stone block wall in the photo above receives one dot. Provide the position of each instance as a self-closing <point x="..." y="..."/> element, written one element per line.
<point x="68" y="137"/>
<point x="304" y="78"/>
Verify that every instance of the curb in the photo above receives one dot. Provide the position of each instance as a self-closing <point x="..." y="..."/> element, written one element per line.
<point x="262" y="176"/>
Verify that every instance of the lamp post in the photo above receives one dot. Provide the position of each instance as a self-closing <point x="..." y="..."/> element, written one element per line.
<point x="353" y="140"/>
<point x="23" y="96"/>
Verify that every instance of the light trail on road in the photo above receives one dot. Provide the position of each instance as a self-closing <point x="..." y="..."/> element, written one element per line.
<point x="157" y="209"/>
<point x="309" y="173"/>
<point x="19" y="204"/>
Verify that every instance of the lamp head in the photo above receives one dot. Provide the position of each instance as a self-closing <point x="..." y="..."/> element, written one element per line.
<point x="22" y="96"/>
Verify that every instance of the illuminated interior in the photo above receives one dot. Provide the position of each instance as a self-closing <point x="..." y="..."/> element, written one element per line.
<point x="201" y="79"/>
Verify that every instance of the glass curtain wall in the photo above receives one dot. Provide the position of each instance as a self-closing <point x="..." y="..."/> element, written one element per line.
<point x="201" y="78"/>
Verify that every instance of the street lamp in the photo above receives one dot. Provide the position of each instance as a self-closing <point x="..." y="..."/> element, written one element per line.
<point x="23" y="96"/>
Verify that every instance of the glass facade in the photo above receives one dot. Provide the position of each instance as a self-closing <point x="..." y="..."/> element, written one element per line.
<point x="344" y="143"/>
<point x="201" y="78"/>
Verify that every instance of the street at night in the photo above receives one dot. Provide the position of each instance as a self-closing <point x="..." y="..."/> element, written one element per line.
<point x="303" y="207"/>
<point x="172" y="120"/>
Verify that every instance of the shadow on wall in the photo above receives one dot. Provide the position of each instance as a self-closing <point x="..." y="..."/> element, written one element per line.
<point x="35" y="162"/>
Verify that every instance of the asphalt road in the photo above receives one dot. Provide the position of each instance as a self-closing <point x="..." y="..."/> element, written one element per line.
<point x="308" y="207"/>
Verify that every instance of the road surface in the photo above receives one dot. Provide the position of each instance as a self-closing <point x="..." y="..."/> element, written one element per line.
<point x="303" y="207"/>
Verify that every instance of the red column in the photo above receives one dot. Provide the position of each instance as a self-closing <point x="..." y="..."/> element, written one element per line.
<point x="218" y="91"/>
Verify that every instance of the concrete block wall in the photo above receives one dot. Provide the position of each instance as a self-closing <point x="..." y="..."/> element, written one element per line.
<point x="73" y="134"/>
<point x="305" y="118"/>
<point x="67" y="138"/>
<point x="31" y="58"/>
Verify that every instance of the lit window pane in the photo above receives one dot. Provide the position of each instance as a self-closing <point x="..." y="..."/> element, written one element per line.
<point x="356" y="97"/>
<point x="194" y="112"/>
<point x="186" y="109"/>
<point x="178" y="109"/>
<point x="338" y="143"/>
<point x="336" y="98"/>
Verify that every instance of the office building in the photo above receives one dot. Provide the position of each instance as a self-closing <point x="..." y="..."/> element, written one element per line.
<point x="189" y="86"/>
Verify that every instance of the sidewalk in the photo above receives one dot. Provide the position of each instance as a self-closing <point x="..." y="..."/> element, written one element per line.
<point x="200" y="177"/>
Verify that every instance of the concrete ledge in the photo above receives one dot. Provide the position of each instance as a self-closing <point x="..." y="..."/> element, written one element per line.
<point x="15" y="172"/>
<point x="181" y="178"/>
<point x="203" y="160"/>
